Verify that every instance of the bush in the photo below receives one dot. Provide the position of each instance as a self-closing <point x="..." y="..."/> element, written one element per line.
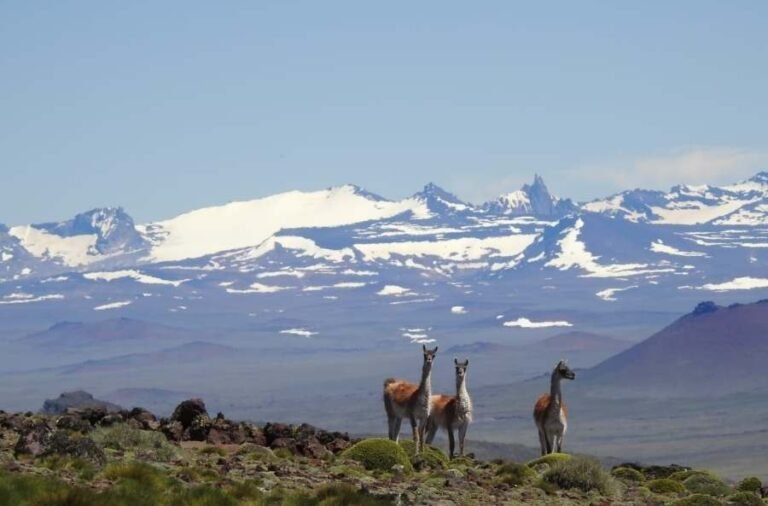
<point x="706" y="484"/>
<point x="145" y="444"/>
<point x="580" y="473"/>
<point x="697" y="500"/>
<point x="750" y="484"/>
<point x="378" y="454"/>
<point x="745" y="499"/>
<point x="514" y="474"/>
<point x="684" y="475"/>
<point x="551" y="459"/>
<point x="433" y="457"/>
<point x="628" y="474"/>
<point x="146" y="475"/>
<point x="665" y="486"/>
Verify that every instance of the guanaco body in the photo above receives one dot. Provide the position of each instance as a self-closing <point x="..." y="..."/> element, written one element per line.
<point x="451" y="412"/>
<point x="403" y="399"/>
<point x="550" y="412"/>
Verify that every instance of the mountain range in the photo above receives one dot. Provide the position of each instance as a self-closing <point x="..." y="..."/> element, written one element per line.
<point x="304" y="262"/>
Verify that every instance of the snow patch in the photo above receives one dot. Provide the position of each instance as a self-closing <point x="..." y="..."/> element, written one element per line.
<point x="113" y="305"/>
<point x="458" y="310"/>
<point x="131" y="274"/>
<point x="528" y="324"/>
<point x="659" y="247"/>
<point x="299" y="332"/>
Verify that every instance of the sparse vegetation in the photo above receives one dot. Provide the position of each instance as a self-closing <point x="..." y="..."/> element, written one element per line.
<point x="514" y="474"/>
<point x="581" y="473"/>
<point x="308" y="466"/>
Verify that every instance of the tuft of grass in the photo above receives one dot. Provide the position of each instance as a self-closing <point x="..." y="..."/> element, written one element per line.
<point x="514" y="474"/>
<point x="706" y="484"/>
<point x="581" y="473"/>
<point x="697" y="500"/>
<point x="627" y="474"/>
<point x="665" y="486"/>
<point x="378" y="454"/>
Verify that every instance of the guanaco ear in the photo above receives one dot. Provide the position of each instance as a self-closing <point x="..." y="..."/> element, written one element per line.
<point x="424" y="348"/>
<point x="466" y="362"/>
<point x="455" y="361"/>
<point x="435" y="350"/>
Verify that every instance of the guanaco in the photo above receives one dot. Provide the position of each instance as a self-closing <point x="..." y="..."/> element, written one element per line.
<point x="403" y="399"/>
<point x="452" y="411"/>
<point x="550" y="412"/>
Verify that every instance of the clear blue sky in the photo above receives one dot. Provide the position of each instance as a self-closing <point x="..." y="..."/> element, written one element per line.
<point x="162" y="107"/>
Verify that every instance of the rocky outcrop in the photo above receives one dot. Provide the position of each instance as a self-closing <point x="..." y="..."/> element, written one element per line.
<point x="78" y="399"/>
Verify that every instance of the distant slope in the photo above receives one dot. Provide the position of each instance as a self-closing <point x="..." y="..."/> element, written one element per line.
<point x="114" y="330"/>
<point x="712" y="350"/>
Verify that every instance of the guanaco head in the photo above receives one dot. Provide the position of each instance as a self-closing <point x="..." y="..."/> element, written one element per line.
<point x="461" y="369"/>
<point x="429" y="355"/>
<point x="563" y="371"/>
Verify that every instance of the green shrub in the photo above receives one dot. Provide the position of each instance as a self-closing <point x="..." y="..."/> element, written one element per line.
<point x="665" y="486"/>
<point x="745" y="499"/>
<point x="514" y="474"/>
<point x="697" y="500"/>
<point x="432" y="456"/>
<point x="379" y="454"/>
<point x="203" y="495"/>
<point x="684" y="475"/>
<point x="706" y="484"/>
<point x="628" y="474"/>
<point x="145" y="444"/>
<point x="550" y="459"/>
<point x="750" y="484"/>
<point x="580" y="473"/>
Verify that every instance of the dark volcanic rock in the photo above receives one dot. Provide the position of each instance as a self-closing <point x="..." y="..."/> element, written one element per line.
<point x="62" y="443"/>
<point x="188" y="410"/>
<point x="273" y="431"/>
<point x="74" y="423"/>
<point x="174" y="431"/>
<point x="198" y="429"/>
<point x="143" y="418"/>
<point x="33" y="439"/>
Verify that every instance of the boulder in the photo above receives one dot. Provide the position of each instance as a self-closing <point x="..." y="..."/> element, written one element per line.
<point x="144" y="418"/>
<point x="198" y="430"/>
<point x="188" y="410"/>
<point x="33" y="440"/>
<point x="274" y="431"/>
<point x="173" y="431"/>
<point x="74" y="423"/>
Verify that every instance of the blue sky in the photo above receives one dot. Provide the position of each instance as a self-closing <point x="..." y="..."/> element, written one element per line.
<point x="163" y="107"/>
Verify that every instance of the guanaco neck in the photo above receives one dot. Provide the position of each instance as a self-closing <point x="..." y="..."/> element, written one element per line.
<point x="555" y="394"/>
<point x="462" y="395"/>
<point x="425" y="385"/>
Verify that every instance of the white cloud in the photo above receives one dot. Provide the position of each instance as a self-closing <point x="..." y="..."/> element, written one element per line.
<point x="697" y="165"/>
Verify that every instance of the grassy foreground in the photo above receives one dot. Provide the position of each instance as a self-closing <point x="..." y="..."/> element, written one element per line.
<point x="123" y="464"/>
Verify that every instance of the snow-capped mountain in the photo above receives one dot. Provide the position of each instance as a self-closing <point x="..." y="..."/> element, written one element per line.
<point x="326" y="244"/>
<point x="532" y="200"/>
<point x="743" y="203"/>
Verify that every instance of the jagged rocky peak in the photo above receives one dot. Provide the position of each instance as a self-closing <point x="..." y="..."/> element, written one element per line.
<point x="114" y="228"/>
<point x="440" y="200"/>
<point x="532" y="200"/>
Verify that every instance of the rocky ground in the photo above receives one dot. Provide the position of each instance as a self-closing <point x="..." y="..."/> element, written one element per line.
<point x="98" y="454"/>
